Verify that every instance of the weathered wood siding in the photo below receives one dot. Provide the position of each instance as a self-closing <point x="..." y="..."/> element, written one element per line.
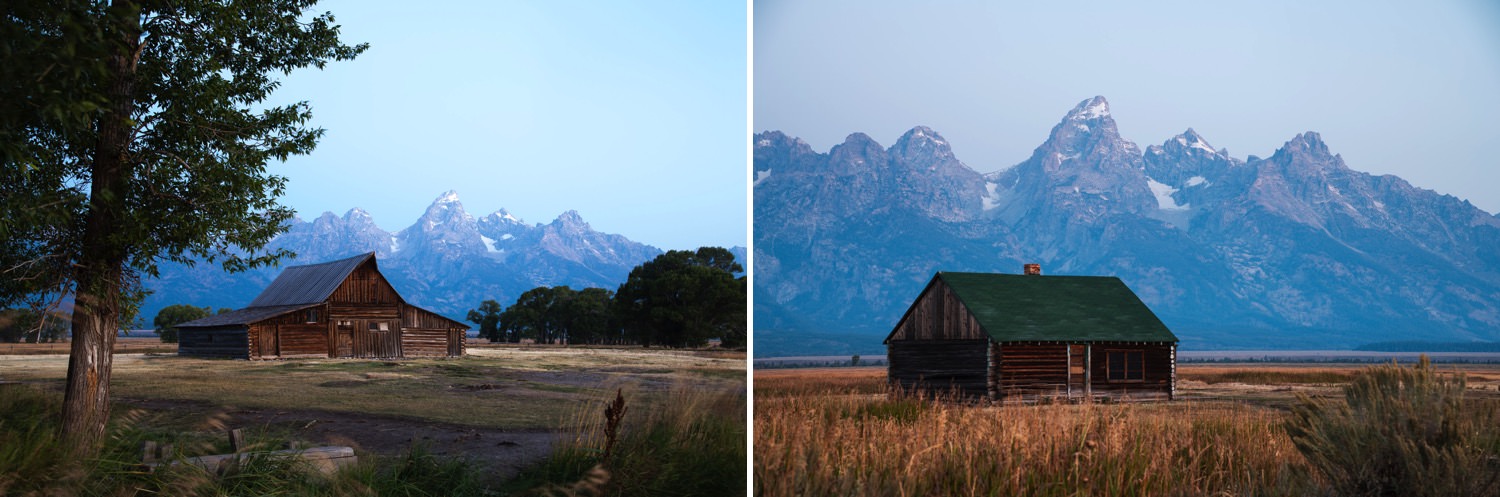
<point x="1028" y="371"/>
<point x="365" y="286"/>
<point x="1157" y="380"/>
<point x="425" y="333"/>
<point x="229" y="341"/>
<point x="938" y="315"/>
<point x="938" y="365"/>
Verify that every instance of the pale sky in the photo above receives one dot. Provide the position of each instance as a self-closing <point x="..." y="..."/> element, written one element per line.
<point x="631" y="113"/>
<point x="1404" y="88"/>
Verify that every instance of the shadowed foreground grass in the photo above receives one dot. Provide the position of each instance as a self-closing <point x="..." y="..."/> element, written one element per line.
<point x="692" y="444"/>
<point x="1394" y="431"/>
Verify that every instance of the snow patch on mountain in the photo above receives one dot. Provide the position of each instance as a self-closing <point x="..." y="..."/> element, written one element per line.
<point x="1163" y="193"/>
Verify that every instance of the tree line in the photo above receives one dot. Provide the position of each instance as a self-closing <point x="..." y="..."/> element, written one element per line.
<point x="681" y="298"/>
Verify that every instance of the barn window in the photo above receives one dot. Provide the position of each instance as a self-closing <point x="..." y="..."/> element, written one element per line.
<point x="1126" y="365"/>
<point x="312" y="315"/>
<point x="380" y="326"/>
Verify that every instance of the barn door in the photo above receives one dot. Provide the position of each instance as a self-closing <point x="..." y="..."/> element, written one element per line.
<point x="343" y="339"/>
<point x="267" y="339"/>
<point x="1077" y="368"/>
<point x="377" y="338"/>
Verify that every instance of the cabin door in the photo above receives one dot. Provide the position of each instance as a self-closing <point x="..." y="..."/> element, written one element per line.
<point x="1077" y="371"/>
<point x="267" y="339"/>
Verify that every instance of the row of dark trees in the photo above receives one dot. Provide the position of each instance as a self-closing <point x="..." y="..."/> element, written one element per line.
<point x="31" y="326"/>
<point x="679" y="299"/>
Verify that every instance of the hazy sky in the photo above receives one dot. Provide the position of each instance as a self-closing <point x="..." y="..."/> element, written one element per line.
<point x="1405" y="88"/>
<point x="631" y="113"/>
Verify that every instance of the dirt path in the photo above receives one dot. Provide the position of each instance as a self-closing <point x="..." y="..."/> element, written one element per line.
<point x="503" y="452"/>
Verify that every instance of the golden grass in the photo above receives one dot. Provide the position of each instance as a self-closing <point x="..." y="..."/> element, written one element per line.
<point x="827" y="434"/>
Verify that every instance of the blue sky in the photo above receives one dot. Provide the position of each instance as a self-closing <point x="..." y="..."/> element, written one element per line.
<point x="1405" y="88"/>
<point x="631" y="113"/>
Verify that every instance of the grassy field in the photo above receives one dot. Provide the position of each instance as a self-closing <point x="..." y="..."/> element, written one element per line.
<point x="505" y="409"/>
<point x="839" y="432"/>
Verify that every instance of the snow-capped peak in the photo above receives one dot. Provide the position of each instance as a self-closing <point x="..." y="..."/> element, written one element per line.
<point x="449" y="197"/>
<point x="506" y="216"/>
<point x="1191" y="139"/>
<point x="1092" y="108"/>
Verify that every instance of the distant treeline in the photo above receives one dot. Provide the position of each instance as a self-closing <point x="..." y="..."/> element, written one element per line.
<point x="817" y="364"/>
<point x="1423" y="346"/>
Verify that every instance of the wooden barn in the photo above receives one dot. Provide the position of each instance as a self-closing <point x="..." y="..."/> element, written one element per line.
<point x="343" y="308"/>
<point x="1026" y="337"/>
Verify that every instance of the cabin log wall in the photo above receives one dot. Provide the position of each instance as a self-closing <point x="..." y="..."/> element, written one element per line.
<point x="938" y="365"/>
<point x="230" y="342"/>
<point x="1028" y="371"/>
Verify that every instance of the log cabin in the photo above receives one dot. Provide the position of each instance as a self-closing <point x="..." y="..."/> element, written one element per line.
<point x="1028" y="337"/>
<point x="342" y="308"/>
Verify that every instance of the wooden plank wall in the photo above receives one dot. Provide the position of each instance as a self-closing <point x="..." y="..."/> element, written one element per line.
<point x="424" y="342"/>
<point x="938" y="315"/>
<point x="303" y="339"/>
<point x="428" y="334"/>
<point x="365" y="286"/>
<point x="228" y="342"/>
<point x="938" y="365"/>
<point x="1156" y="383"/>
<point x="1030" y="371"/>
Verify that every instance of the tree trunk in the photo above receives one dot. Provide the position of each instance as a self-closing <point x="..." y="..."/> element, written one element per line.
<point x="100" y="266"/>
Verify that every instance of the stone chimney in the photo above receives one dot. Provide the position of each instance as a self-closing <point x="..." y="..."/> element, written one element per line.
<point x="1033" y="269"/>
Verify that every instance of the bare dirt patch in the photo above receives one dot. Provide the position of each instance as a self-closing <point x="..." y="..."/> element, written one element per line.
<point x="502" y="452"/>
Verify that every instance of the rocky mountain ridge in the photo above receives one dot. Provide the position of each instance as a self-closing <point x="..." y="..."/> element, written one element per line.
<point x="447" y="260"/>
<point x="1296" y="250"/>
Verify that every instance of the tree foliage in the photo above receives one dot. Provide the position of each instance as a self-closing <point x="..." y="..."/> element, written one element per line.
<point x="30" y="326"/>
<point x="487" y="316"/>
<point x="683" y="299"/>
<point x="136" y="132"/>
<point x="169" y="317"/>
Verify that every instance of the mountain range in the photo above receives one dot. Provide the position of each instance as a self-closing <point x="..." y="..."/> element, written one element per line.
<point x="446" y="261"/>
<point x="1294" y="250"/>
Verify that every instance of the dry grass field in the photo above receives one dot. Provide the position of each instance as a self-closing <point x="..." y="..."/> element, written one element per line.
<point x="505" y="406"/>
<point x="838" y="432"/>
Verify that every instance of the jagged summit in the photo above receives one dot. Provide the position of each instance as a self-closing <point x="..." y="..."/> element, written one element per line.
<point x="450" y="196"/>
<point x="1093" y="108"/>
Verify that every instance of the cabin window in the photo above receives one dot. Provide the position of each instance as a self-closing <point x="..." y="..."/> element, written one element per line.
<point x="312" y="315"/>
<point x="380" y="326"/>
<point x="1126" y="365"/>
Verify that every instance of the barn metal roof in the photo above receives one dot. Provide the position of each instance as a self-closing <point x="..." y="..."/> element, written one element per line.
<point x="1022" y="308"/>
<point x="309" y="284"/>
<point x="243" y="316"/>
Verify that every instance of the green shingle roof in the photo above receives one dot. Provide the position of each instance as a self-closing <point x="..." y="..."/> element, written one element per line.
<point x="1020" y="308"/>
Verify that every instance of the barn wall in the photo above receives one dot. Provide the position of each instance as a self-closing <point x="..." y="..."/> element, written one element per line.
<point x="1157" y="375"/>
<point x="425" y="333"/>
<point x="938" y="315"/>
<point x="1028" y="371"/>
<point x="365" y="286"/>
<point x="424" y="342"/>
<point x="230" y="342"/>
<point x="938" y="365"/>
<point x="303" y="340"/>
